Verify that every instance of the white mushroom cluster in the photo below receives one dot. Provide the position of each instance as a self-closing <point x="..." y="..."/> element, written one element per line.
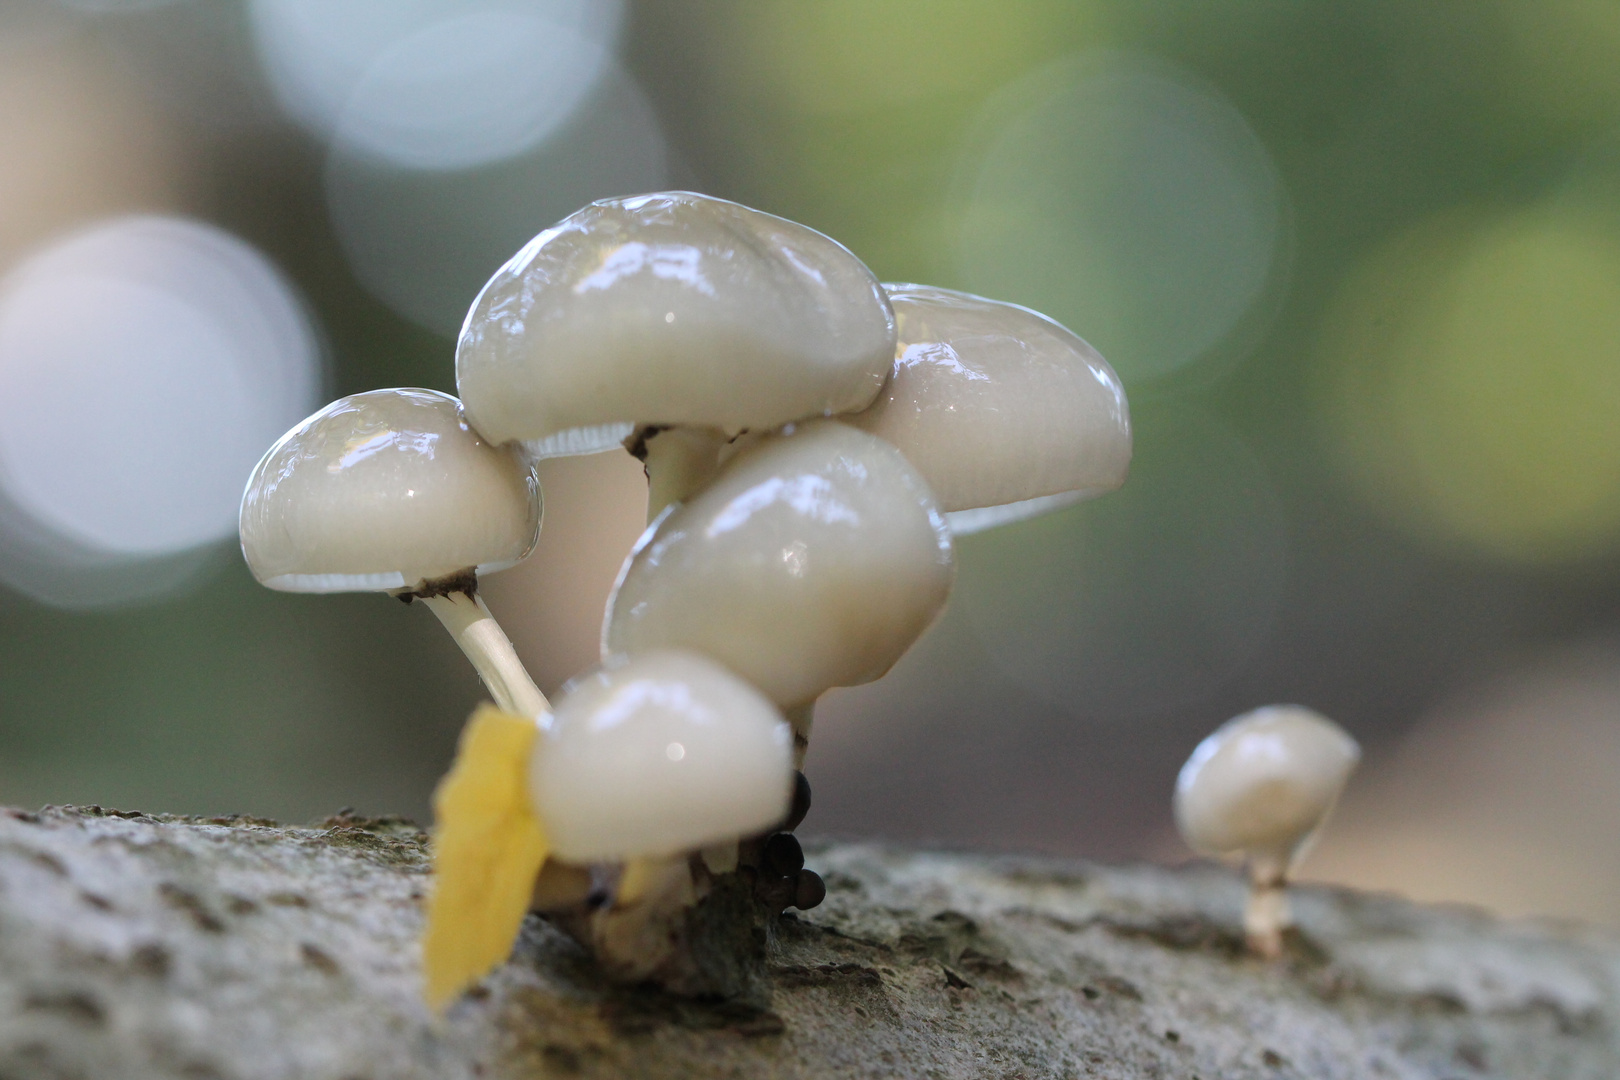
<point x="812" y="441"/>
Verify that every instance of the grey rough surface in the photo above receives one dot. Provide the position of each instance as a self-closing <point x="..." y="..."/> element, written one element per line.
<point x="137" y="946"/>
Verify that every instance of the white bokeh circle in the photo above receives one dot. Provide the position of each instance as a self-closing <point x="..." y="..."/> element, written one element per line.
<point x="1126" y="199"/>
<point x="424" y="242"/>
<point x="451" y="84"/>
<point x="145" y="365"/>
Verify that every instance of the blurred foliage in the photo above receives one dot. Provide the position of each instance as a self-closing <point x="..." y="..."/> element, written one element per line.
<point x="1390" y="464"/>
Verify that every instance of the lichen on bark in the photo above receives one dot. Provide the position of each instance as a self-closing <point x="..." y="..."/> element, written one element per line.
<point x="157" y="946"/>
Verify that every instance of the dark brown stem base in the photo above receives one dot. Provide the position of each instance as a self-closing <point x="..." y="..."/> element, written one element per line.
<point x="697" y="933"/>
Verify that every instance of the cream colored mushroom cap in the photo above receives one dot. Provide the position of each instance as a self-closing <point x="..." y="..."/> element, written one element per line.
<point x="658" y="754"/>
<point x="671" y="308"/>
<point x="813" y="560"/>
<point x="385" y="490"/>
<point x="1264" y="782"/>
<point x="1005" y="412"/>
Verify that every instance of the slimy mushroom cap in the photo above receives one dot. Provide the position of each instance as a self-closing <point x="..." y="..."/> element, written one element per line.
<point x="670" y="308"/>
<point x="814" y="559"/>
<point x="384" y="490"/>
<point x="1004" y="411"/>
<point x="1263" y="783"/>
<point x="659" y="754"/>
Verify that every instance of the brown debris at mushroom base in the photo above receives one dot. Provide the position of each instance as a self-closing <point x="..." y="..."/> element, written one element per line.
<point x="917" y="964"/>
<point x="714" y="947"/>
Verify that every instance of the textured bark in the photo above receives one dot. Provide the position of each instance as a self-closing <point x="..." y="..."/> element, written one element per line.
<point x="137" y="946"/>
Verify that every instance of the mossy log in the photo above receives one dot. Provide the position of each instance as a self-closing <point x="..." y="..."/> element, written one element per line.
<point x="157" y="946"/>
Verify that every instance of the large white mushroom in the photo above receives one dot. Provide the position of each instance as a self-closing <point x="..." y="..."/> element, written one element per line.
<point x="392" y="491"/>
<point x="1004" y="411"/>
<point x="814" y="559"/>
<point x="643" y="762"/>
<point x="675" y="321"/>
<point x="1261" y="787"/>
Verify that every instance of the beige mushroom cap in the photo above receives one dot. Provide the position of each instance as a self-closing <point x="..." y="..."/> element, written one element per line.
<point x="1263" y="783"/>
<point x="813" y="560"/>
<point x="385" y="490"/>
<point x="1006" y="413"/>
<point x="659" y="754"/>
<point x="671" y="308"/>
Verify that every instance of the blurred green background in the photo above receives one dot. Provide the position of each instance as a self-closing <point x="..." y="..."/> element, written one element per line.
<point x="1358" y="265"/>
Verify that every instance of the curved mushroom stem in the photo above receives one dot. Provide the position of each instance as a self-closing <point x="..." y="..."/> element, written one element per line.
<point x="801" y="717"/>
<point x="679" y="461"/>
<point x="1267" y="913"/>
<point x="490" y="650"/>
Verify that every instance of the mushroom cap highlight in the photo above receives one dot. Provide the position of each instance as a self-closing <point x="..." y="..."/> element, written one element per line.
<point x="671" y="308"/>
<point x="385" y="490"/>
<point x="1263" y="783"/>
<point x="659" y="754"/>
<point x="1004" y="411"/>
<point x="814" y="559"/>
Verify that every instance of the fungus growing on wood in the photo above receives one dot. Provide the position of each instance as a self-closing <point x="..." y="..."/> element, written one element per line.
<point x="1260" y="787"/>
<point x="788" y="553"/>
<point x="1005" y="412"/>
<point x="392" y="491"/>
<point x="644" y="762"/>
<point x="814" y="559"/>
<point x="659" y="754"/>
<point x="672" y="310"/>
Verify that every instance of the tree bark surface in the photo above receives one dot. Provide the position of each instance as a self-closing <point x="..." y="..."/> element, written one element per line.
<point x="156" y="946"/>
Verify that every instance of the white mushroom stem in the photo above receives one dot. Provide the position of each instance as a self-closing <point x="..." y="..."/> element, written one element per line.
<point x="490" y="651"/>
<point x="679" y="462"/>
<point x="720" y="858"/>
<point x="646" y="874"/>
<point x="801" y="717"/>
<point x="1267" y="913"/>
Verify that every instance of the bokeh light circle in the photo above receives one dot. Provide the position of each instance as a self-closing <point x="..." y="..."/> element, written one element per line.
<point x="145" y="365"/>
<point x="115" y="7"/>
<point x="1128" y="201"/>
<point x="1470" y="382"/>
<point x="425" y="242"/>
<point x="426" y="85"/>
<point x="1151" y="598"/>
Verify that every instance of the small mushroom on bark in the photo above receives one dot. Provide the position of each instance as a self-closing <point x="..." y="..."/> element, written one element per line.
<point x="1004" y="411"/>
<point x="670" y="322"/>
<point x="1261" y="787"/>
<point x="659" y="755"/>
<point x="814" y="559"/>
<point x="644" y="762"/>
<point x="392" y="491"/>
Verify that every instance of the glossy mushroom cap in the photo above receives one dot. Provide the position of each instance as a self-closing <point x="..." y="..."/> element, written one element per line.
<point x="382" y="491"/>
<point x="671" y="308"/>
<point x="813" y="560"/>
<point x="1263" y="783"/>
<point x="656" y="755"/>
<point x="1005" y="413"/>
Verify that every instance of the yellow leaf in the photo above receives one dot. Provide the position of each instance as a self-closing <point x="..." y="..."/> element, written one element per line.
<point x="488" y="847"/>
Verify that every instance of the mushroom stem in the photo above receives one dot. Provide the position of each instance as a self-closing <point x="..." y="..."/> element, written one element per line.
<point x="720" y="858"/>
<point x="801" y="717"/>
<point x="490" y="651"/>
<point x="560" y="886"/>
<point x="679" y="461"/>
<point x="639" y="931"/>
<point x="1267" y="913"/>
